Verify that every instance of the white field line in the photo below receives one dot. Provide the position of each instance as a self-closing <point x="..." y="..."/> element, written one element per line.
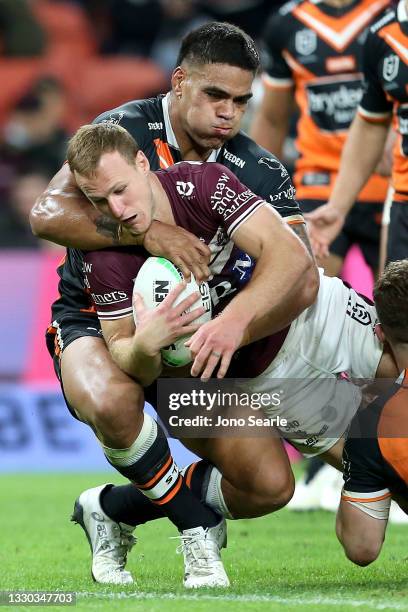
<point x="297" y="599"/>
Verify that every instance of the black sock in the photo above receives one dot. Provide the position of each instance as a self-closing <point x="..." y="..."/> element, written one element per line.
<point x="126" y="504"/>
<point x="156" y="475"/>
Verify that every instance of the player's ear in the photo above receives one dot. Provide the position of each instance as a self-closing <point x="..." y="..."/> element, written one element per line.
<point x="142" y="162"/>
<point x="177" y="79"/>
<point x="379" y="332"/>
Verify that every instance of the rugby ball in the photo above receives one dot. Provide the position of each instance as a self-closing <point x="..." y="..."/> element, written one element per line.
<point x="156" y="278"/>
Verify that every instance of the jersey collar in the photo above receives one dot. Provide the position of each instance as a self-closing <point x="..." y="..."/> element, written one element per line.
<point x="171" y="137"/>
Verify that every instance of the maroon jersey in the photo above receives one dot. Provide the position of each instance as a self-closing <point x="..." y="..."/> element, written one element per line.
<point x="208" y="200"/>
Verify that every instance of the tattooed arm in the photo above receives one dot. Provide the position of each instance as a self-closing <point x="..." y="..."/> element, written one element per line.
<point x="62" y="214"/>
<point x="301" y="232"/>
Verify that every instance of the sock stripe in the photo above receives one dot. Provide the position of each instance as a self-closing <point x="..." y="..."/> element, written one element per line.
<point x="189" y="474"/>
<point x="169" y="496"/>
<point x="156" y="477"/>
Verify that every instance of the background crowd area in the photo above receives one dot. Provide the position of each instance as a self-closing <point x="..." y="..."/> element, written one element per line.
<point x="64" y="62"/>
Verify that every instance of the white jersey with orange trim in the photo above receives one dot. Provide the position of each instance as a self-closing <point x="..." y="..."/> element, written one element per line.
<point x="386" y="92"/>
<point x="317" y="50"/>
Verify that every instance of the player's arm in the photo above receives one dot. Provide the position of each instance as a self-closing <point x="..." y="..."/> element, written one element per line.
<point x="130" y="352"/>
<point x="136" y="349"/>
<point x="62" y="214"/>
<point x="270" y="124"/>
<point x="285" y="282"/>
<point x="361" y="154"/>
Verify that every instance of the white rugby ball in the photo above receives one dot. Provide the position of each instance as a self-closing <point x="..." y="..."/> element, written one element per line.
<point x="156" y="278"/>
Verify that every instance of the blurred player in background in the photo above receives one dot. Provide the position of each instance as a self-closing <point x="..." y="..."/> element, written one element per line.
<point x="375" y="455"/>
<point x="313" y="57"/>
<point x="198" y="120"/>
<point x="385" y="100"/>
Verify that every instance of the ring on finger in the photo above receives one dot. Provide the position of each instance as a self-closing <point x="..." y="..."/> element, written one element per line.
<point x="216" y="353"/>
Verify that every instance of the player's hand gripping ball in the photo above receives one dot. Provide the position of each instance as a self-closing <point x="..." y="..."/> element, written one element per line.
<point x="156" y="278"/>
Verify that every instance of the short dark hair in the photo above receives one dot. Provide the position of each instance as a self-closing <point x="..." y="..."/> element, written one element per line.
<point x="219" y="43"/>
<point x="391" y="300"/>
<point x="90" y="142"/>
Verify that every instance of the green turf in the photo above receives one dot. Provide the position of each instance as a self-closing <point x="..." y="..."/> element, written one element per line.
<point x="286" y="561"/>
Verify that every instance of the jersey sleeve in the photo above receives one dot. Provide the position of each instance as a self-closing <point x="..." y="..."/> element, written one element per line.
<point x="268" y="177"/>
<point x="276" y="71"/>
<point x="374" y="105"/>
<point x="109" y="276"/>
<point x="228" y="202"/>
<point x="129" y="116"/>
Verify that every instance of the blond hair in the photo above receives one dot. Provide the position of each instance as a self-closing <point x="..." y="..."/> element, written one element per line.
<point x="90" y="142"/>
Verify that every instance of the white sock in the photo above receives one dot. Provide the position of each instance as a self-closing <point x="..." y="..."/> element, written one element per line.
<point x="124" y="457"/>
<point x="214" y="497"/>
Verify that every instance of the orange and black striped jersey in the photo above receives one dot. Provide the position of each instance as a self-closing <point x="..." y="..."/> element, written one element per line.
<point x="316" y="49"/>
<point x="385" y="67"/>
<point x="375" y="455"/>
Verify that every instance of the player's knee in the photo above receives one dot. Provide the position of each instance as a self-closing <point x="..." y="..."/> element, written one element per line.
<point x="276" y="491"/>
<point x="116" y="405"/>
<point x="363" y="554"/>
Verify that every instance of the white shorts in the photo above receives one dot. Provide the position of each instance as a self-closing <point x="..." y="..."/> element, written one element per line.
<point x="331" y="341"/>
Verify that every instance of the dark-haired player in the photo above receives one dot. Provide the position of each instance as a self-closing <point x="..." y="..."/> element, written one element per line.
<point x="375" y="456"/>
<point x="198" y="120"/>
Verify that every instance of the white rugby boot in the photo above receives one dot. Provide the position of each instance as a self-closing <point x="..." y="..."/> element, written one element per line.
<point x="109" y="541"/>
<point x="202" y="561"/>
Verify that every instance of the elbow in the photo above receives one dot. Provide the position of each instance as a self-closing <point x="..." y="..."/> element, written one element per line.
<point x="41" y="217"/>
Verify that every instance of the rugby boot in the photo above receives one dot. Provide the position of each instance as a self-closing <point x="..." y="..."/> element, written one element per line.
<point x="109" y="541"/>
<point x="202" y="561"/>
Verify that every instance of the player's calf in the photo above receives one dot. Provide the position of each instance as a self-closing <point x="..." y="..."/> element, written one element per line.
<point x="149" y="465"/>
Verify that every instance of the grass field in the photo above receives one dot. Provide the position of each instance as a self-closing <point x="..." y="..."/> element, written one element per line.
<point x="284" y="562"/>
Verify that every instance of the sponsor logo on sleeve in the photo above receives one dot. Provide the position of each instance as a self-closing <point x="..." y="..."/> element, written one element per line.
<point x="276" y="165"/>
<point x="114" y="119"/>
<point x="113" y="297"/>
<point x="285" y="194"/>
